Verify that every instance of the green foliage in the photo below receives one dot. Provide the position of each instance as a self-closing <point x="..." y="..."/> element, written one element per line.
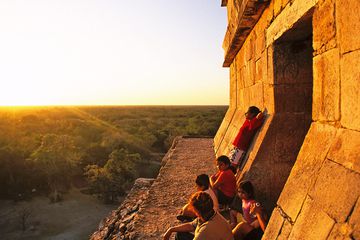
<point x="115" y="177"/>
<point x="56" y="158"/>
<point x="47" y="148"/>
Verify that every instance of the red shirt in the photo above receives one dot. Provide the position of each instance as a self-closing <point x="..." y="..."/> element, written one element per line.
<point x="246" y="133"/>
<point x="228" y="182"/>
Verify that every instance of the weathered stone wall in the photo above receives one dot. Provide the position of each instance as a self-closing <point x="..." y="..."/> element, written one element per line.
<point x="320" y="199"/>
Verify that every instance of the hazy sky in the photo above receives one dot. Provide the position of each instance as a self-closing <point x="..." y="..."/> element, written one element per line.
<point x="118" y="52"/>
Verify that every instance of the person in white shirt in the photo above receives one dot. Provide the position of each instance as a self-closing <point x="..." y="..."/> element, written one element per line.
<point x="209" y="225"/>
<point x="202" y="185"/>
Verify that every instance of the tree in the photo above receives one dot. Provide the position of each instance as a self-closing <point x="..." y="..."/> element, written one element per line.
<point x="115" y="177"/>
<point x="56" y="158"/>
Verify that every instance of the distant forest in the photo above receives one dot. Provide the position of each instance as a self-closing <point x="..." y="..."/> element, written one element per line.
<point x="99" y="149"/>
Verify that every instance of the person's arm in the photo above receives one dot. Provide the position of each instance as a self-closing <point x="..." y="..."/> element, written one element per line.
<point x="186" y="227"/>
<point x="213" y="179"/>
<point x="218" y="182"/>
<point x="260" y="214"/>
<point x="256" y="121"/>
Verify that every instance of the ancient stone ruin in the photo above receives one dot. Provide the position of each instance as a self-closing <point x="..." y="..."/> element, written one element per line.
<point x="299" y="60"/>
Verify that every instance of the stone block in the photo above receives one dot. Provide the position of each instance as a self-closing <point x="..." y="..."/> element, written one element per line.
<point x="350" y="94"/>
<point x="324" y="30"/>
<point x="293" y="63"/>
<point x="246" y="97"/>
<point x="261" y="69"/>
<point x="268" y="14"/>
<point x="306" y="167"/>
<point x="312" y="223"/>
<point x="346" y="149"/>
<point x="341" y="231"/>
<point x="274" y="226"/>
<point x="348" y="24"/>
<point x="277" y="7"/>
<point x="288" y="17"/>
<point x="223" y="128"/>
<point x="240" y="99"/>
<point x="260" y="37"/>
<point x="249" y="73"/>
<point x="240" y="77"/>
<point x="326" y="96"/>
<point x="240" y="58"/>
<point x="355" y="221"/>
<point x="249" y="46"/>
<point x="270" y="65"/>
<point x="257" y="95"/>
<point x="285" y="231"/>
<point x="269" y="99"/>
<point x="336" y="184"/>
<point x="300" y="100"/>
<point x="284" y="3"/>
<point x="289" y="139"/>
<point x="232" y="13"/>
<point x="233" y="85"/>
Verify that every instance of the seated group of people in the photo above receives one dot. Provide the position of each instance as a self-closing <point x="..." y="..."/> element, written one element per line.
<point x="201" y="215"/>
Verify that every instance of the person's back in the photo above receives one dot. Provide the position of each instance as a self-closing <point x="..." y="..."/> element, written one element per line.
<point x="213" y="197"/>
<point x="216" y="228"/>
<point x="228" y="180"/>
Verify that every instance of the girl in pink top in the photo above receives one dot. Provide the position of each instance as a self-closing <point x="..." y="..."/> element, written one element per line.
<point x="253" y="214"/>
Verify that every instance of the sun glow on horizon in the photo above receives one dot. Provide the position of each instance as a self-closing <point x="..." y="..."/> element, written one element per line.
<point x="107" y="52"/>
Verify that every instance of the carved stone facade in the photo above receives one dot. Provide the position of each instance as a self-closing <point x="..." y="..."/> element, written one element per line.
<point x="300" y="61"/>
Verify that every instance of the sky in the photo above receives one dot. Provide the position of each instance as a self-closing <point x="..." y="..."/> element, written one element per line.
<point x="112" y="52"/>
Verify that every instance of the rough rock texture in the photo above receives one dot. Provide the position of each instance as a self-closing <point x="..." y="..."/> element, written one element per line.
<point x="148" y="211"/>
<point x="300" y="62"/>
<point x="116" y="225"/>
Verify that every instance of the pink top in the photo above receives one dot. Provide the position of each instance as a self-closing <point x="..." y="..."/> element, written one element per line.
<point x="249" y="218"/>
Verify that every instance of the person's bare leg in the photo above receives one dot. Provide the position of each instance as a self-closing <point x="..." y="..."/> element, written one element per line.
<point x="233" y="219"/>
<point x="241" y="230"/>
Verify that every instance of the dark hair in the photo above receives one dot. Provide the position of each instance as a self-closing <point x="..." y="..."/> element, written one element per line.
<point x="248" y="188"/>
<point x="203" y="204"/>
<point x="223" y="159"/>
<point x="254" y="110"/>
<point x="203" y="181"/>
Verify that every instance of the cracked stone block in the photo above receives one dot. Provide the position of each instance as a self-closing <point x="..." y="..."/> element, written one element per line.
<point x="346" y="149"/>
<point x="341" y="231"/>
<point x="355" y="220"/>
<point x="350" y="94"/>
<point x="336" y="184"/>
<point x="312" y="223"/>
<point x="274" y="226"/>
<point x="308" y="163"/>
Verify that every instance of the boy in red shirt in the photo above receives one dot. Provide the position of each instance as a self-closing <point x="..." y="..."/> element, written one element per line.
<point x="253" y="121"/>
<point x="224" y="181"/>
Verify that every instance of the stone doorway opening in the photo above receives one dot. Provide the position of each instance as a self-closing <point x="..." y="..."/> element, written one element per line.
<point x="293" y="86"/>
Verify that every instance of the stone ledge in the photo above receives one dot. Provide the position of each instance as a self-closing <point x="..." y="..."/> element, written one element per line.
<point x="119" y="220"/>
<point x="149" y="218"/>
<point x="249" y="13"/>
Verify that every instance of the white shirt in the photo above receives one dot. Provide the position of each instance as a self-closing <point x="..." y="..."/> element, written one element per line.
<point x="214" y="198"/>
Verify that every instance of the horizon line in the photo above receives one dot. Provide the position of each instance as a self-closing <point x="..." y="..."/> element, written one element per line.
<point x="112" y="105"/>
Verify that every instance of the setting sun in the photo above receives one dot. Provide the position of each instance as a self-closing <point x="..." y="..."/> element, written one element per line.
<point x="112" y="53"/>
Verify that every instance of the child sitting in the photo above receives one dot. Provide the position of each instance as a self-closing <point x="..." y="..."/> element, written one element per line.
<point x="202" y="185"/>
<point x="253" y="121"/>
<point x="254" y="217"/>
<point x="224" y="181"/>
